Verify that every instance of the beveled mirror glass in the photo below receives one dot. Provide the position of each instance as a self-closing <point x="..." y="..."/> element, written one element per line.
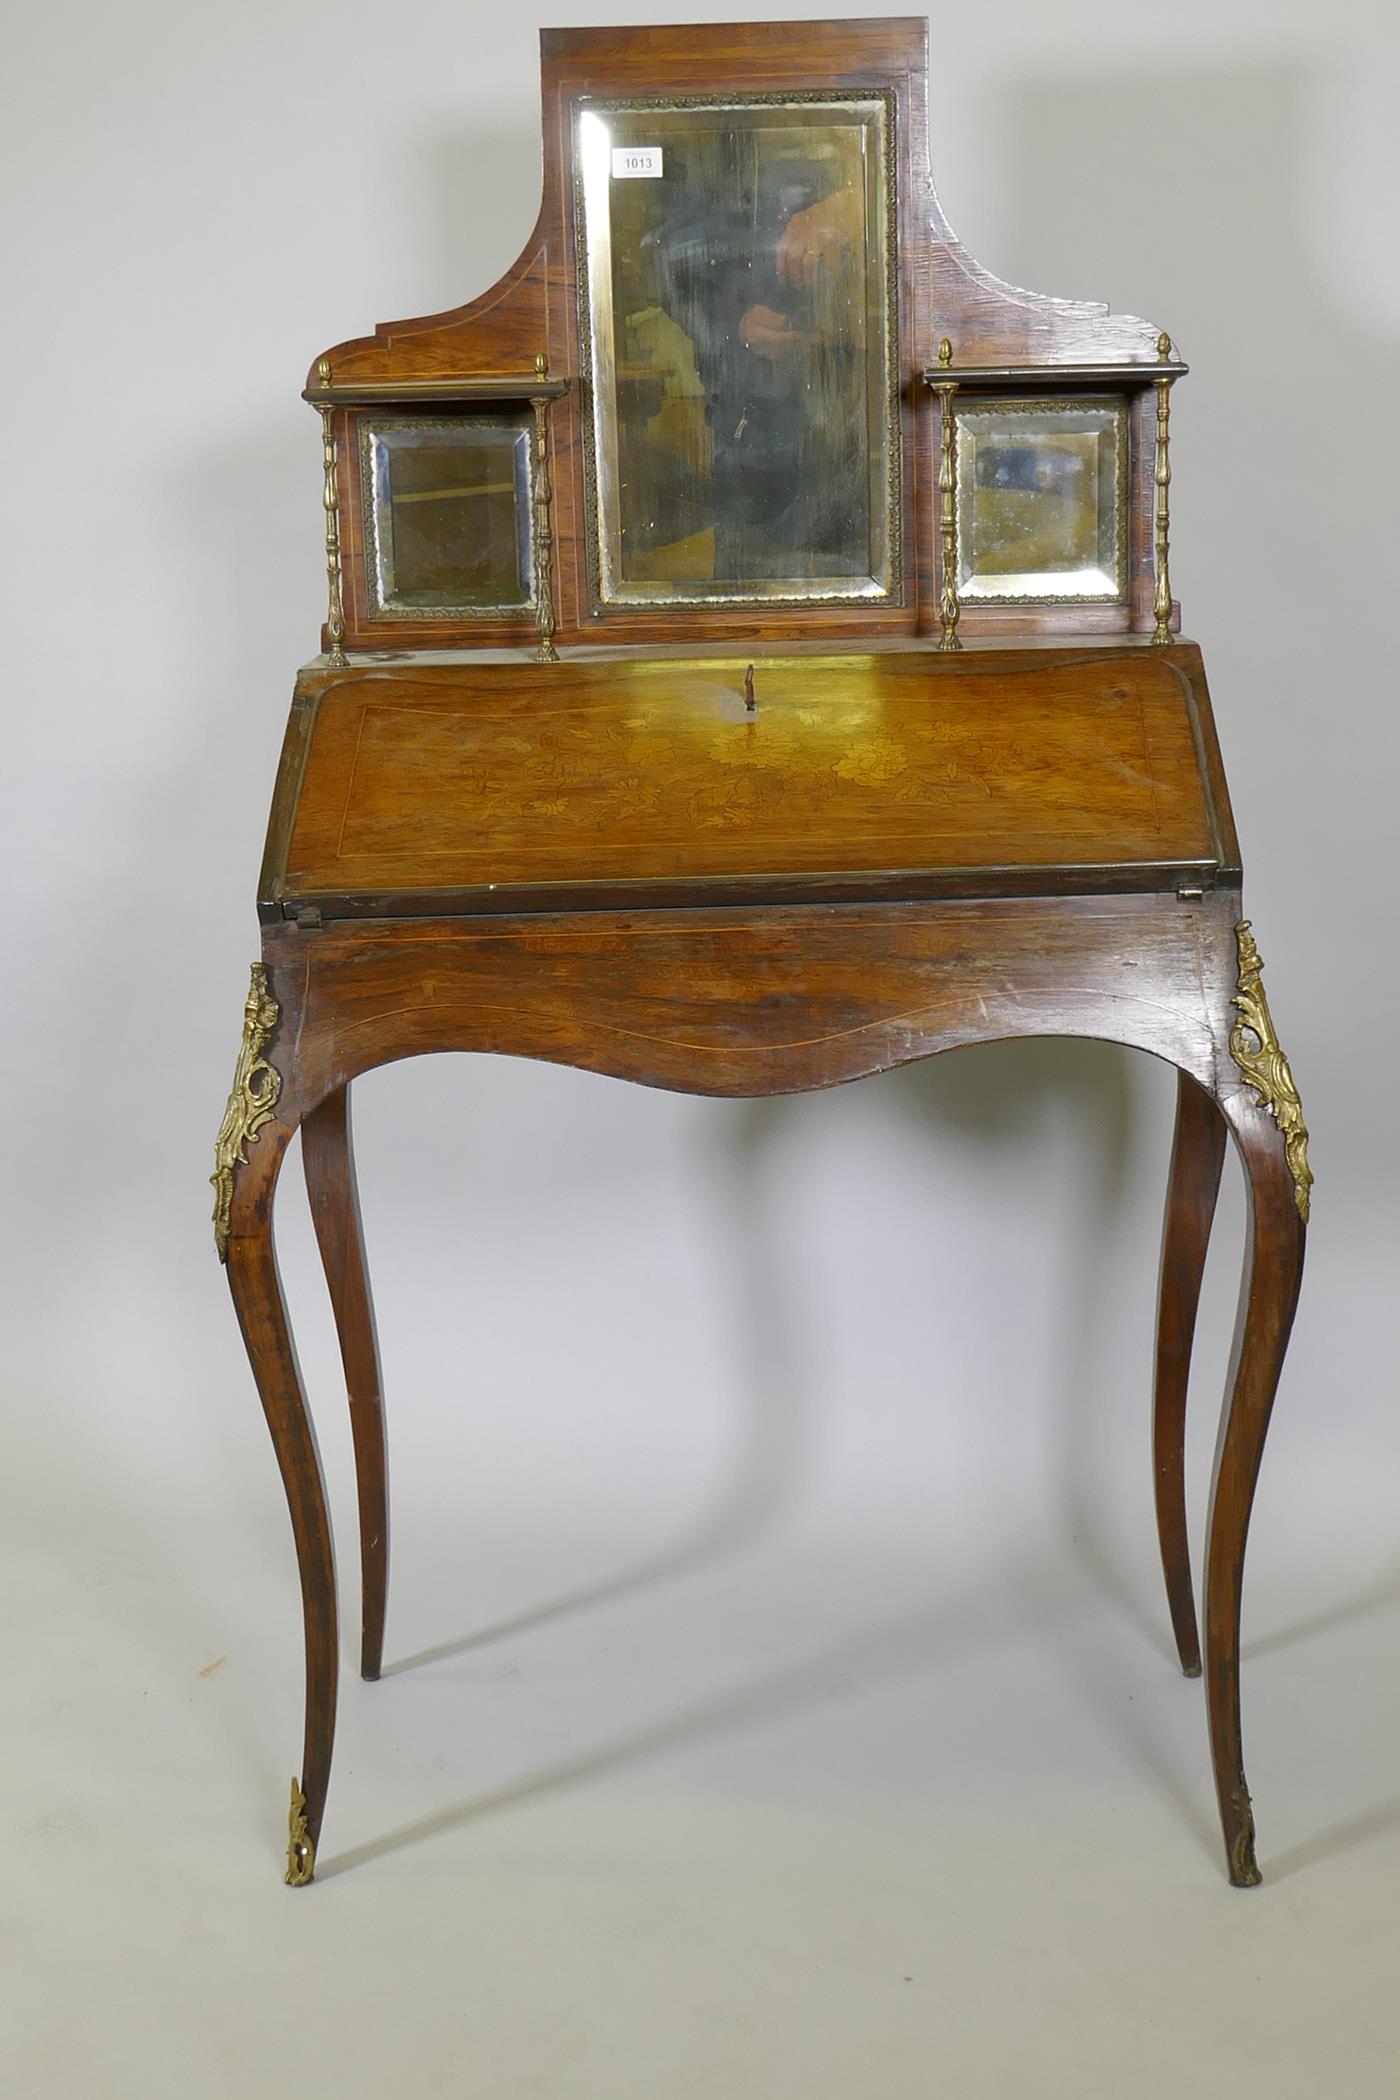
<point x="447" y="514"/>
<point x="737" y="304"/>
<point x="1042" y="492"/>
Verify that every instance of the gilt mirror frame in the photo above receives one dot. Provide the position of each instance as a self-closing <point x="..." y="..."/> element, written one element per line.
<point x="776" y="463"/>
<point x="383" y="436"/>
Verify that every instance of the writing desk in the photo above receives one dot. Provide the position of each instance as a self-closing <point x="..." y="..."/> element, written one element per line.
<point x="743" y="684"/>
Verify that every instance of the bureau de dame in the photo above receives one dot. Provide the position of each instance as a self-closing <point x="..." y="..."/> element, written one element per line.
<point x="750" y="662"/>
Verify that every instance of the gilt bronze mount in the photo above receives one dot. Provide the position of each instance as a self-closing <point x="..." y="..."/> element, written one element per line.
<point x="301" y="1853"/>
<point x="1255" y="1047"/>
<point x="256" y="1087"/>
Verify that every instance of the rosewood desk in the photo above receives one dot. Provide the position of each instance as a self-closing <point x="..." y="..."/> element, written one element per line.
<point x="751" y="664"/>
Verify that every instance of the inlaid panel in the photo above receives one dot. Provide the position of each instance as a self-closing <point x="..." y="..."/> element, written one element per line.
<point x="498" y="778"/>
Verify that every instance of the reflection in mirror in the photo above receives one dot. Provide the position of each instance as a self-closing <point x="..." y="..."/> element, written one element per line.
<point x="737" y="310"/>
<point x="1041" y="495"/>
<point x="447" y="514"/>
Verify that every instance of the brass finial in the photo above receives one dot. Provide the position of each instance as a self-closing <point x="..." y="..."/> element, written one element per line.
<point x="541" y="365"/>
<point x="323" y="371"/>
<point x="1164" y="347"/>
<point x="945" y="352"/>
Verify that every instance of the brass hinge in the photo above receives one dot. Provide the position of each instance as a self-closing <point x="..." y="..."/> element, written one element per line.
<point x="309" y="918"/>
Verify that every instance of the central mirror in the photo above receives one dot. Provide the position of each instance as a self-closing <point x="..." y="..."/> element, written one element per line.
<point x="739" y="331"/>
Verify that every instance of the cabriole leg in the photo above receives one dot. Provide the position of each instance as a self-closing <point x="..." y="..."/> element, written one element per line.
<point x="1197" y="1152"/>
<point x="328" y="1156"/>
<point x="1266" y="1120"/>
<point x="262" y="1315"/>
<point x="258" y="1126"/>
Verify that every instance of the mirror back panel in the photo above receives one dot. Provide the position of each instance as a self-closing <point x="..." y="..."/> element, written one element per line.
<point x="716" y="354"/>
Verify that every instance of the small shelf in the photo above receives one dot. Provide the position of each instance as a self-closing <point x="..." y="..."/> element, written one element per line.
<point x="1138" y="372"/>
<point x="368" y="393"/>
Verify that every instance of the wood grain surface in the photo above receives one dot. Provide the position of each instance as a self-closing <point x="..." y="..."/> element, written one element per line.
<point x="768" y="1001"/>
<point x="916" y="772"/>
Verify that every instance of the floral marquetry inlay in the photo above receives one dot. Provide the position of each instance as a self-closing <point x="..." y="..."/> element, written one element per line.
<point x="654" y="770"/>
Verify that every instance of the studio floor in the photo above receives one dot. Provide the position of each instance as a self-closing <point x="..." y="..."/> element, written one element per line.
<point x="780" y="1815"/>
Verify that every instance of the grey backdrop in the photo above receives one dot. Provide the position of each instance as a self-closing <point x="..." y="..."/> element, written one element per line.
<point x="793" y="1709"/>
